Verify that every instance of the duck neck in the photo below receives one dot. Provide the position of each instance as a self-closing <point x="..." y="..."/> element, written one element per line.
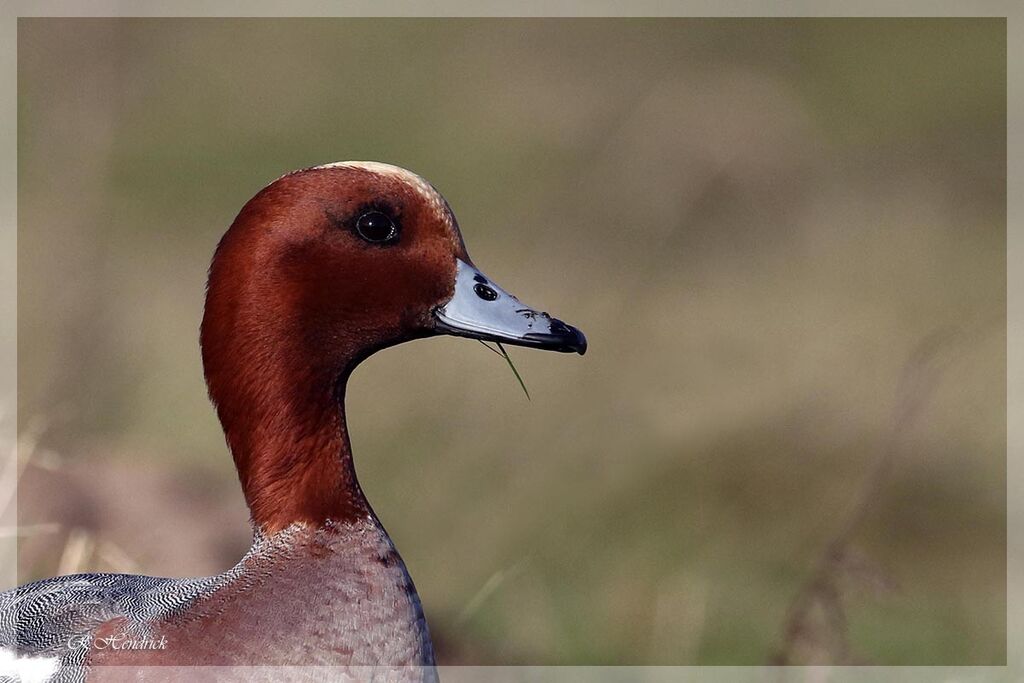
<point x="285" y="426"/>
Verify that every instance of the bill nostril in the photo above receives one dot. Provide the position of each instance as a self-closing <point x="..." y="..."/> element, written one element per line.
<point x="485" y="292"/>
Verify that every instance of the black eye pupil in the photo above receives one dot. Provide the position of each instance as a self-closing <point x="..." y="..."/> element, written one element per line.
<point x="375" y="226"/>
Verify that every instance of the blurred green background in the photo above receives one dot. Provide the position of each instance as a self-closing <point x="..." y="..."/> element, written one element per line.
<point x="761" y="225"/>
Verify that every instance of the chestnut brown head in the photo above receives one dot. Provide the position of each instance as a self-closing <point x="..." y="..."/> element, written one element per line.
<point x="320" y="269"/>
<point x="349" y="258"/>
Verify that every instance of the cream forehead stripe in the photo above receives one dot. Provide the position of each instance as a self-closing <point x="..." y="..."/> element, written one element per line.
<point x="397" y="172"/>
<point x="425" y="189"/>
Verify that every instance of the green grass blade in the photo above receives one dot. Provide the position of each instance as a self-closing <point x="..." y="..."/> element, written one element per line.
<point x="514" y="371"/>
<point x="504" y="354"/>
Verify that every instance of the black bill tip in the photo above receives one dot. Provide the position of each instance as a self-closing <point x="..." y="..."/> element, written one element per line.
<point x="560" y="337"/>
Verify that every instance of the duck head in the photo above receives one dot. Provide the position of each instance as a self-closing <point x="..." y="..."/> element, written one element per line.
<point x="320" y="269"/>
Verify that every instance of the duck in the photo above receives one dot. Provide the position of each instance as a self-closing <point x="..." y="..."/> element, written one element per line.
<point x="322" y="268"/>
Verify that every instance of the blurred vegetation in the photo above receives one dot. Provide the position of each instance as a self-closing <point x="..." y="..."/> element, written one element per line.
<point x="756" y="222"/>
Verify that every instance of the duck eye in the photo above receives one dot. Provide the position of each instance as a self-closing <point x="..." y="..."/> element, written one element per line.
<point x="377" y="227"/>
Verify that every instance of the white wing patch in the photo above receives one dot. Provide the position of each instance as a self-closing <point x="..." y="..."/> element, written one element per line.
<point x="26" y="669"/>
